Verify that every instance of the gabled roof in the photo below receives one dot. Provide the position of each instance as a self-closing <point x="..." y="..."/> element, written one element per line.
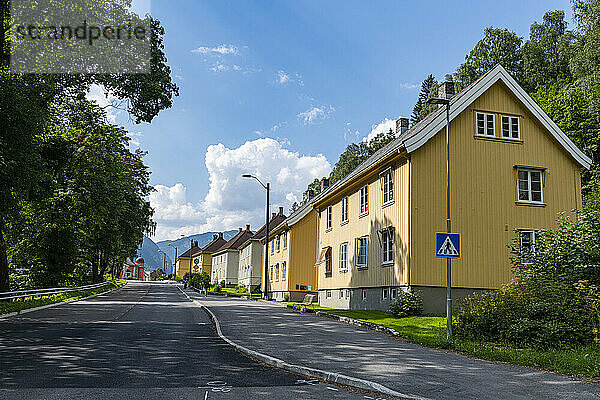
<point x="192" y="251"/>
<point x="235" y="242"/>
<point x="213" y="246"/>
<point x="273" y="222"/>
<point x="419" y="134"/>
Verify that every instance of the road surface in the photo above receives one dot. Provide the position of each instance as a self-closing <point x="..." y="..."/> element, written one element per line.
<point x="143" y="341"/>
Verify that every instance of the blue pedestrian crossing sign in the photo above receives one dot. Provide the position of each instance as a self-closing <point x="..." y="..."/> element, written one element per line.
<point x="447" y="245"/>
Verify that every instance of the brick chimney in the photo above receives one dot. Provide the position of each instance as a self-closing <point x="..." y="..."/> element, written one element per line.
<point x="446" y="90"/>
<point x="248" y="227"/>
<point x="280" y="210"/>
<point x="195" y="243"/>
<point x="401" y="126"/>
<point x="324" y="184"/>
<point x="273" y="215"/>
<point x="215" y="236"/>
<point x="220" y="235"/>
<point x="239" y="230"/>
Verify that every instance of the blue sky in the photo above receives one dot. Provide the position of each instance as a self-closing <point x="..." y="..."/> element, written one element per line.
<point x="281" y="87"/>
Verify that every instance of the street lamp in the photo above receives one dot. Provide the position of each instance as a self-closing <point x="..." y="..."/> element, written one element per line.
<point x="265" y="273"/>
<point x="446" y="102"/>
<point x="175" y="259"/>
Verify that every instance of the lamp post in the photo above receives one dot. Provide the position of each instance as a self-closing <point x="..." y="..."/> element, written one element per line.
<point x="175" y="259"/>
<point x="265" y="273"/>
<point x="446" y="102"/>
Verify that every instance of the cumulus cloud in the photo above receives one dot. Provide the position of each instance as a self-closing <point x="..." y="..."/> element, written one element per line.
<point x="134" y="138"/>
<point x="283" y="78"/>
<point x="315" y="114"/>
<point x="217" y="50"/>
<point x="383" y="126"/>
<point x="233" y="201"/>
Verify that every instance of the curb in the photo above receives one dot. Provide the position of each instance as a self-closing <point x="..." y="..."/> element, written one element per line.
<point x="28" y="310"/>
<point x="326" y="376"/>
<point x="351" y="321"/>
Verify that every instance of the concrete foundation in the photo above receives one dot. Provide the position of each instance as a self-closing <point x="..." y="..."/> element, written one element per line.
<point x="380" y="298"/>
<point x="296" y="296"/>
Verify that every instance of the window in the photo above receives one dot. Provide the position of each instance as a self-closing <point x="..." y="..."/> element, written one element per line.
<point x="277" y="242"/>
<point x="364" y="294"/>
<point x="385" y="293"/>
<point x="486" y="124"/>
<point x="345" y="209"/>
<point x="328" y="262"/>
<point x="272" y="246"/>
<point x="510" y="127"/>
<point x="364" y="200"/>
<point x="360" y="254"/>
<point x="341" y="294"/>
<point x="276" y="272"/>
<point x="394" y="293"/>
<point x="271" y="272"/>
<point x="329" y="216"/>
<point x="285" y="240"/>
<point x="347" y="293"/>
<point x="343" y="261"/>
<point x="283" y="270"/>
<point x="328" y="294"/>
<point x="530" y="185"/>
<point x="527" y="241"/>
<point x="387" y="186"/>
<point x="387" y="239"/>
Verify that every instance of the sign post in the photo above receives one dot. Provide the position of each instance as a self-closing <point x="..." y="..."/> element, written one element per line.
<point x="447" y="245"/>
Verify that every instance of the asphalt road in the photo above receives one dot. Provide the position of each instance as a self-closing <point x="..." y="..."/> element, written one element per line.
<point x="144" y="341"/>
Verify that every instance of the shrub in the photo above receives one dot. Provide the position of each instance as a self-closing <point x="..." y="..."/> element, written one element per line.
<point x="532" y="312"/>
<point x="222" y="283"/>
<point x="218" y="288"/>
<point x="407" y="304"/>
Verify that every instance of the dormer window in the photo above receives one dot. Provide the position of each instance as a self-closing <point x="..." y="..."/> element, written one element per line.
<point x="486" y="125"/>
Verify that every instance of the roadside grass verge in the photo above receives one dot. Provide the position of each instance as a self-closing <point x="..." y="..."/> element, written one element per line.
<point x="7" y="307"/>
<point x="237" y="291"/>
<point x="430" y="331"/>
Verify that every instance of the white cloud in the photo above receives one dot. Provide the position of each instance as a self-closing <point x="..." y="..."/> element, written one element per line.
<point x="409" y="86"/>
<point x="383" y="126"/>
<point x="104" y="100"/>
<point x="218" y="50"/>
<point x="283" y="78"/>
<point x="315" y="114"/>
<point x="134" y="138"/>
<point x="233" y="201"/>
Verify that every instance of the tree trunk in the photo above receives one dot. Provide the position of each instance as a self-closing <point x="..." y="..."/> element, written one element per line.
<point x="103" y="266"/>
<point x="95" y="266"/>
<point x="3" y="261"/>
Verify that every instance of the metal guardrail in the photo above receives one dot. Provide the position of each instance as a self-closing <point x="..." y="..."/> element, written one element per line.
<point x="21" y="294"/>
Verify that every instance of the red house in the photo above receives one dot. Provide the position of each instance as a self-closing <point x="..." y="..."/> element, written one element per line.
<point x="133" y="270"/>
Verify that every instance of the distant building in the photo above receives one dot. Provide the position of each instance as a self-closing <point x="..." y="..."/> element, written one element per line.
<point x="183" y="263"/>
<point x="133" y="270"/>
<point x="202" y="259"/>
<point x="225" y="261"/>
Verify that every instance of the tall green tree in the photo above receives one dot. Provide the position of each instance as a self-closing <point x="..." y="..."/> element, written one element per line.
<point x="429" y="88"/>
<point x="498" y="46"/>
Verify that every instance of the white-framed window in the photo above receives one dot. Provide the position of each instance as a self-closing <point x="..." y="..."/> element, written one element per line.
<point x="328" y="265"/>
<point x="347" y="293"/>
<point x="511" y="127"/>
<point x="527" y="239"/>
<point x="360" y="252"/>
<point x="283" y="270"/>
<point x="486" y="124"/>
<point x="277" y="271"/>
<point x="345" y="209"/>
<point x="387" y="245"/>
<point x="529" y="183"/>
<point x="285" y="240"/>
<point x="278" y="242"/>
<point x="341" y="294"/>
<point x="328" y="294"/>
<point x="272" y="246"/>
<point x="394" y="293"/>
<point x="385" y="293"/>
<point x="271" y="272"/>
<point x="343" y="260"/>
<point x="364" y="199"/>
<point x="364" y="294"/>
<point x="329" y="218"/>
<point x="387" y="186"/>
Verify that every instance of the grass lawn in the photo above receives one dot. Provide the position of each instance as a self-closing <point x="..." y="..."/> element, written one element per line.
<point x="238" y="292"/>
<point x="431" y="331"/>
<point x="18" y="305"/>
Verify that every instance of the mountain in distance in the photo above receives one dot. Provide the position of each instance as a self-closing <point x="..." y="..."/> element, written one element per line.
<point x="183" y="243"/>
<point x="152" y="255"/>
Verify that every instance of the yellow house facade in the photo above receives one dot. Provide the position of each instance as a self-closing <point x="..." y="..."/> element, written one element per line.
<point x="184" y="263"/>
<point x="292" y="251"/>
<point x="511" y="170"/>
<point x="202" y="259"/>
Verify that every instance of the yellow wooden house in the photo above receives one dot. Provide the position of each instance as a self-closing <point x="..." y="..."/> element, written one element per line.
<point x="202" y="258"/>
<point x="292" y="252"/>
<point x="184" y="263"/>
<point x="511" y="170"/>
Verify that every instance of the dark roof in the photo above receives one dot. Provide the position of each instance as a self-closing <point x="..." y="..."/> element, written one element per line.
<point x="236" y="241"/>
<point x="187" y="253"/>
<point x="275" y="221"/>
<point x="213" y="246"/>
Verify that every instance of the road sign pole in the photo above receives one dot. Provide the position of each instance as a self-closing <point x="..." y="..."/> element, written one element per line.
<point x="448" y="229"/>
